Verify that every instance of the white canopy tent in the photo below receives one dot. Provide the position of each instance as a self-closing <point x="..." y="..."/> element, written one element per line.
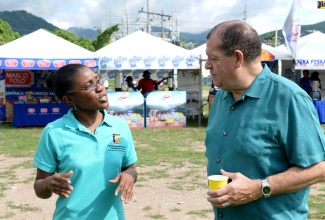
<point x="40" y="50"/>
<point x="200" y="50"/>
<point x="30" y="50"/>
<point x="43" y="44"/>
<point x="140" y="50"/>
<point x="277" y="53"/>
<point x="310" y="52"/>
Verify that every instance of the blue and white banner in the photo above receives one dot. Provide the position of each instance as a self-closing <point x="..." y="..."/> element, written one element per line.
<point x="149" y="62"/>
<point x="43" y="64"/>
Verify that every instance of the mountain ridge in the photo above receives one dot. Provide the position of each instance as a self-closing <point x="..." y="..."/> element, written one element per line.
<point x="24" y="22"/>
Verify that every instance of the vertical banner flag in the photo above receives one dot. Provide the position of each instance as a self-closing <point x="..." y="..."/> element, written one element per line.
<point x="291" y="27"/>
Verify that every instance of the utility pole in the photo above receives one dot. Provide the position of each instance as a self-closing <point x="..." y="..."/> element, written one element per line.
<point x="159" y="14"/>
<point x="162" y="24"/>
<point x="148" y="17"/>
<point x="276" y="37"/>
<point x="245" y="14"/>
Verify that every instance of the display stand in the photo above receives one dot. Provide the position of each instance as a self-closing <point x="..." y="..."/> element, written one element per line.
<point x="129" y="106"/>
<point x="166" y="109"/>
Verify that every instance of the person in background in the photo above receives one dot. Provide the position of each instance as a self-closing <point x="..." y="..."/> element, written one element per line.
<point x="129" y="81"/>
<point x="86" y="157"/>
<point x="212" y="92"/>
<point x="305" y="82"/>
<point x="106" y="84"/>
<point x="146" y="84"/>
<point x="315" y="77"/>
<point x="263" y="132"/>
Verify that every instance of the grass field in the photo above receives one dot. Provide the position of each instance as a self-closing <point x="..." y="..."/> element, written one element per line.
<point x="154" y="147"/>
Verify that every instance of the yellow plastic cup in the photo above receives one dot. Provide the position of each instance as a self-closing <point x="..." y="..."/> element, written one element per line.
<point x="217" y="181"/>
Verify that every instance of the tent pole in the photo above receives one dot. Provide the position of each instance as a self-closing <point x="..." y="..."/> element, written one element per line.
<point x="280" y="67"/>
<point x="200" y="93"/>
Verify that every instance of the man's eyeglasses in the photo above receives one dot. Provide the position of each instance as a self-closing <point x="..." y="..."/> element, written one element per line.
<point x="91" y="87"/>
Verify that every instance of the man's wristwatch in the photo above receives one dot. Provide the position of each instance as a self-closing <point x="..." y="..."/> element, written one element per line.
<point x="266" y="189"/>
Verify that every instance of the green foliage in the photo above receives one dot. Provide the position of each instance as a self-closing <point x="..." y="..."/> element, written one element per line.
<point x="183" y="43"/>
<point x="6" y="33"/>
<point x="67" y="36"/>
<point x="86" y="43"/>
<point x="104" y="38"/>
<point x="26" y="23"/>
<point x="89" y="33"/>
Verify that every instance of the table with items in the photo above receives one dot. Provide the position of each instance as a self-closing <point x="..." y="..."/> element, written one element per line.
<point x="320" y="107"/>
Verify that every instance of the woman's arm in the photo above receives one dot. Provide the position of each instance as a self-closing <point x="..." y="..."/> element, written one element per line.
<point x="48" y="183"/>
<point x="131" y="171"/>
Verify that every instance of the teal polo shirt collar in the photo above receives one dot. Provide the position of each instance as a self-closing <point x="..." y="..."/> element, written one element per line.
<point x="256" y="88"/>
<point x="71" y="122"/>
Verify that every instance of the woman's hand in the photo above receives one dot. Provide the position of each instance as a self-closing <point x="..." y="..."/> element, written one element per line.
<point x="48" y="183"/>
<point x="60" y="184"/>
<point x="127" y="179"/>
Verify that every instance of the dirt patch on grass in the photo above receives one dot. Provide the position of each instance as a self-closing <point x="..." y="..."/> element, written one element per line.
<point x="160" y="193"/>
<point x="174" y="196"/>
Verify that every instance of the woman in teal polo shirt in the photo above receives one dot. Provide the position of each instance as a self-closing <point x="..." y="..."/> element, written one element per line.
<point x="86" y="157"/>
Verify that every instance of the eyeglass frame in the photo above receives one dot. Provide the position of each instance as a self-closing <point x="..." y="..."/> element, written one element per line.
<point x="91" y="87"/>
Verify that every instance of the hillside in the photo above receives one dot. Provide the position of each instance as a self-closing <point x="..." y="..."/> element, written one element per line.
<point x="305" y="30"/>
<point x="86" y="32"/>
<point x="24" y="22"/>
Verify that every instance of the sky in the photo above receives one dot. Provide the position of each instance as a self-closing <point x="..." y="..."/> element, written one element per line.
<point x="194" y="16"/>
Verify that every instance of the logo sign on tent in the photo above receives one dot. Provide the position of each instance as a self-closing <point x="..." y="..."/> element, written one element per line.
<point x="43" y="64"/>
<point x="140" y="50"/>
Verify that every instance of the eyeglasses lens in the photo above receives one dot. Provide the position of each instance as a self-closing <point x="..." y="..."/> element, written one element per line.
<point x="93" y="86"/>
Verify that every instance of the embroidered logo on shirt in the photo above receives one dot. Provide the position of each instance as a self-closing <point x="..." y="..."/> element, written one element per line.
<point x="117" y="139"/>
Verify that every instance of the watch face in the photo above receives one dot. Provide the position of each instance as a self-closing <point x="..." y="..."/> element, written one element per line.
<point x="266" y="190"/>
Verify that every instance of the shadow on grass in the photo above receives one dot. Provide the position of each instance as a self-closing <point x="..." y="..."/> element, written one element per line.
<point x="190" y="122"/>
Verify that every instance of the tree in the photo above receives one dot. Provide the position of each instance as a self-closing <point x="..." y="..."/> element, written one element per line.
<point x="183" y="43"/>
<point x="104" y="38"/>
<point x="6" y="33"/>
<point x="86" y="43"/>
<point x="82" y="41"/>
<point x="67" y="36"/>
